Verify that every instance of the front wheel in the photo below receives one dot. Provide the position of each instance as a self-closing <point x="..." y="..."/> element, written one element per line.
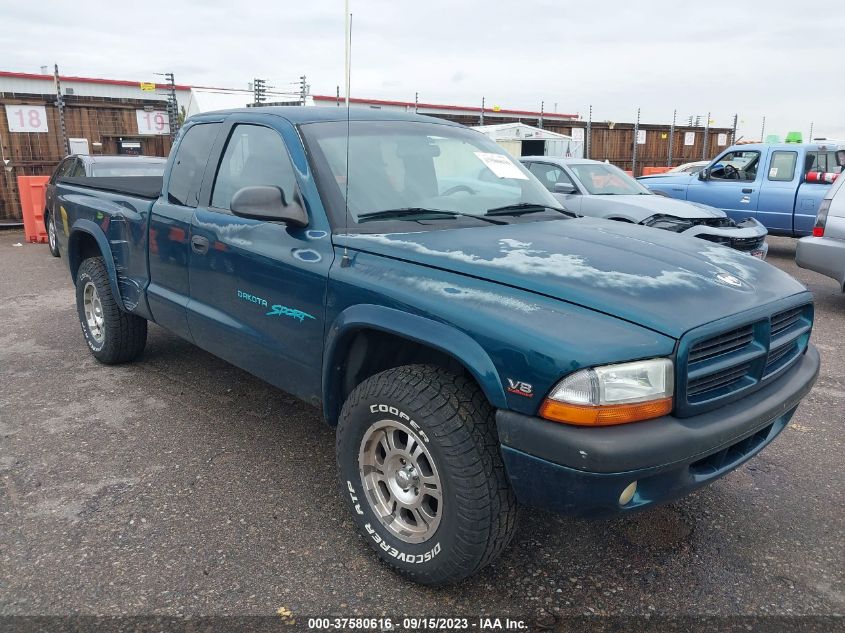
<point x="421" y="472"/>
<point x="113" y="336"/>
<point x="52" y="236"/>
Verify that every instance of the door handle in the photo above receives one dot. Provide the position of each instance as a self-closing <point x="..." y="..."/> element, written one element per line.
<point x="747" y="190"/>
<point x="199" y="244"/>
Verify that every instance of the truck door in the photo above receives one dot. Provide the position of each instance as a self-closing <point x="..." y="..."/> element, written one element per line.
<point x="733" y="186"/>
<point x="777" y="193"/>
<point x="258" y="287"/>
<point x="170" y="228"/>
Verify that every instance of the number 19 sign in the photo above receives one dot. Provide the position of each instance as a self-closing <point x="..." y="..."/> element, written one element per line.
<point x="153" y="122"/>
<point x="26" y="118"/>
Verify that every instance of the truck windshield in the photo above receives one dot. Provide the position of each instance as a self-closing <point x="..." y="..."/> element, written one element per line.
<point x="399" y="166"/>
<point x="602" y="179"/>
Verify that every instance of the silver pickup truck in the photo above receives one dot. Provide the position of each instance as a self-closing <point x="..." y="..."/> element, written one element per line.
<point x="602" y="190"/>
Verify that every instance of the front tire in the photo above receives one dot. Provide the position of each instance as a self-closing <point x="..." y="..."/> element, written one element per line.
<point x="421" y="471"/>
<point x="112" y="335"/>
<point x="52" y="235"/>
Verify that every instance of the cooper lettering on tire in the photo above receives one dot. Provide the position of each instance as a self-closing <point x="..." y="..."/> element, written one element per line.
<point x="112" y="335"/>
<point x="421" y="471"/>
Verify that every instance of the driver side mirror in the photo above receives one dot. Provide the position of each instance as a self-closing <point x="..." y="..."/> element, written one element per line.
<point x="704" y="174"/>
<point x="268" y="203"/>
<point x="565" y="187"/>
<point x="840" y="157"/>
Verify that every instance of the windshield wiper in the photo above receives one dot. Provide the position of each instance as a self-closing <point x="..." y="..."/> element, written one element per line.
<point x="521" y="208"/>
<point x="416" y="213"/>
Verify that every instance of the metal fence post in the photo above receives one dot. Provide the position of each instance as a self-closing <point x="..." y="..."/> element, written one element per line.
<point x="542" y="105"/>
<point x="704" y="151"/>
<point x="60" y="104"/>
<point x="634" y="153"/>
<point x="671" y="138"/>
<point x="733" y="131"/>
<point x="481" y="116"/>
<point x="589" y="139"/>
<point x="763" y="131"/>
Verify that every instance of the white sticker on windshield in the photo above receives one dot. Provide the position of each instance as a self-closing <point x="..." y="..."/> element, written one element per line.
<point x="500" y="165"/>
<point x="773" y="172"/>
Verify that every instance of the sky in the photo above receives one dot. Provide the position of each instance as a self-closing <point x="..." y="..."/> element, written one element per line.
<point x="778" y="59"/>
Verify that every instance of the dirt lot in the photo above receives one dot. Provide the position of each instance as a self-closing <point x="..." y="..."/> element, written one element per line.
<point x="181" y="486"/>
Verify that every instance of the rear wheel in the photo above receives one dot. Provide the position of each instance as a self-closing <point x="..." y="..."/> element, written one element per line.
<point x="113" y="336"/>
<point x="421" y="471"/>
<point x="52" y="235"/>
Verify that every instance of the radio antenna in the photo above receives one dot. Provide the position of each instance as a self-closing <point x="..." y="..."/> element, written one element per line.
<point x="344" y="262"/>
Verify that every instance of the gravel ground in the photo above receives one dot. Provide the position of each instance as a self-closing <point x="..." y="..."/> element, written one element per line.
<point x="181" y="486"/>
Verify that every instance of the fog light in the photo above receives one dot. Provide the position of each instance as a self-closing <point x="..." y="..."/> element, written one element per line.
<point x="628" y="493"/>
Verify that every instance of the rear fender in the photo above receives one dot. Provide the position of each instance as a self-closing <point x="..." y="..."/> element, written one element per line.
<point x="81" y="230"/>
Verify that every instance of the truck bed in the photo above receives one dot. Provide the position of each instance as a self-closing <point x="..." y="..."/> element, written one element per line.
<point x="148" y="187"/>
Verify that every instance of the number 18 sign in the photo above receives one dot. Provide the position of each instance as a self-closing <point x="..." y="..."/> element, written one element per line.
<point x="153" y="122"/>
<point x="27" y="118"/>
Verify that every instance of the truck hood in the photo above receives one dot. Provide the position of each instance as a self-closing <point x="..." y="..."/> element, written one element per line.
<point x="646" y="206"/>
<point x="661" y="280"/>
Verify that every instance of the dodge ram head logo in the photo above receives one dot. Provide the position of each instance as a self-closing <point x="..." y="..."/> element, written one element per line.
<point x="520" y="388"/>
<point x="728" y="280"/>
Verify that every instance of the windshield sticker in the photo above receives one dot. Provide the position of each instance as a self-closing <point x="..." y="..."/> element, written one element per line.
<point x="500" y="165"/>
<point x="773" y="172"/>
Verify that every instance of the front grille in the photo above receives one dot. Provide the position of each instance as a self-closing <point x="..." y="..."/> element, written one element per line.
<point x="723" y="365"/>
<point x="721" y="344"/>
<point x="784" y="320"/>
<point x="747" y="243"/>
<point x="719" y="380"/>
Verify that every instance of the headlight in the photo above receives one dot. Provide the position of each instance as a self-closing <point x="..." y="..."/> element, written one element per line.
<point x="612" y="394"/>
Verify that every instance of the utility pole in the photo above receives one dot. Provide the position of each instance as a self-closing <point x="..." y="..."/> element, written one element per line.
<point x="303" y="89"/>
<point x="704" y="147"/>
<point x="672" y="138"/>
<point x="60" y="104"/>
<point x="634" y="154"/>
<point x="259" y="91"/>
<point x="588" y="140"/>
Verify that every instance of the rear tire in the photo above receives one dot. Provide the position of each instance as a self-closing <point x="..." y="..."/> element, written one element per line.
<point x="113" y="336"/>
<point x="52" y="236"/>
<point x="421" y="471"/>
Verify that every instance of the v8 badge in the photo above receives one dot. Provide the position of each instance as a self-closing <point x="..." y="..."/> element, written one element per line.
<point x="520" y="388"/>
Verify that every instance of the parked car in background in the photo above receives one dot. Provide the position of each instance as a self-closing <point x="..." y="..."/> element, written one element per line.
<point x="602" y="190"/>
<point x="689" y="168"/>
<point x="781" y="185"/>
<point x="824" y="251"/>
<point x="86" y="166"/>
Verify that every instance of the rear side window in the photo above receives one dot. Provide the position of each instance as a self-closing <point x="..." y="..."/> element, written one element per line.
<point x="782" y="167"/>
<point x="189" y="164"/>
<point x="78" y="170"/>
<point x="63" y="168"/>
<point x="255" y="155"/>
<point x="822" y="161"/>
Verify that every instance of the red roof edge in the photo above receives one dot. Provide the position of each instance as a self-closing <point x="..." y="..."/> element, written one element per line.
<point x="447" y="107"/>
<point x="90" y="80"/>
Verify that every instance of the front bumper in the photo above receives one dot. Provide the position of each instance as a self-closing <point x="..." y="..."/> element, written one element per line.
<point x="582" y="471"/>
<point x="825" y="255"/>
<point x="748" y="236"/>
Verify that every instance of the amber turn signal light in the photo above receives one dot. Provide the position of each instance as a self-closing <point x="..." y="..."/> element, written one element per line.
<point x="607" y="415"/>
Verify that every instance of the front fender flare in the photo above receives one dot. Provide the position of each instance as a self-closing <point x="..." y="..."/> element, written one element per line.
<point x="83" y="227"/>
<point x="434" y="334"/>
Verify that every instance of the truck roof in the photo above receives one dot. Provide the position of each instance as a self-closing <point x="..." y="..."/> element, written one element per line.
<point x="786" y="146"/>
<point x="314" y="114"/>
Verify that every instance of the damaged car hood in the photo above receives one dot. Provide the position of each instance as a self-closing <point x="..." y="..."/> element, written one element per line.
<point x="645" y="206"/>
<point x="664" y="281"/>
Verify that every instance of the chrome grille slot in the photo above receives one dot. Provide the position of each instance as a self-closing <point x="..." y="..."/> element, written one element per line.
<point x="719" y="380"/>
<point x="722" y="344"/>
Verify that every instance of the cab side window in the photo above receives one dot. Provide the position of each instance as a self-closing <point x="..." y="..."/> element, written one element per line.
<point x="189" y="164"/>
<point x="62" y="170"/>
<point x="78" y="170"/>
<point x="254" y="156"/>
<point x="738" y="165"/>
<point x="549" y="175"/>
<point x="782" y="167"/>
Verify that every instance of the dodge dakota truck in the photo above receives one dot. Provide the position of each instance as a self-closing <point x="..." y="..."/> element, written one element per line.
<point x="476" y="347"/>
<point x="781" y="185"/>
